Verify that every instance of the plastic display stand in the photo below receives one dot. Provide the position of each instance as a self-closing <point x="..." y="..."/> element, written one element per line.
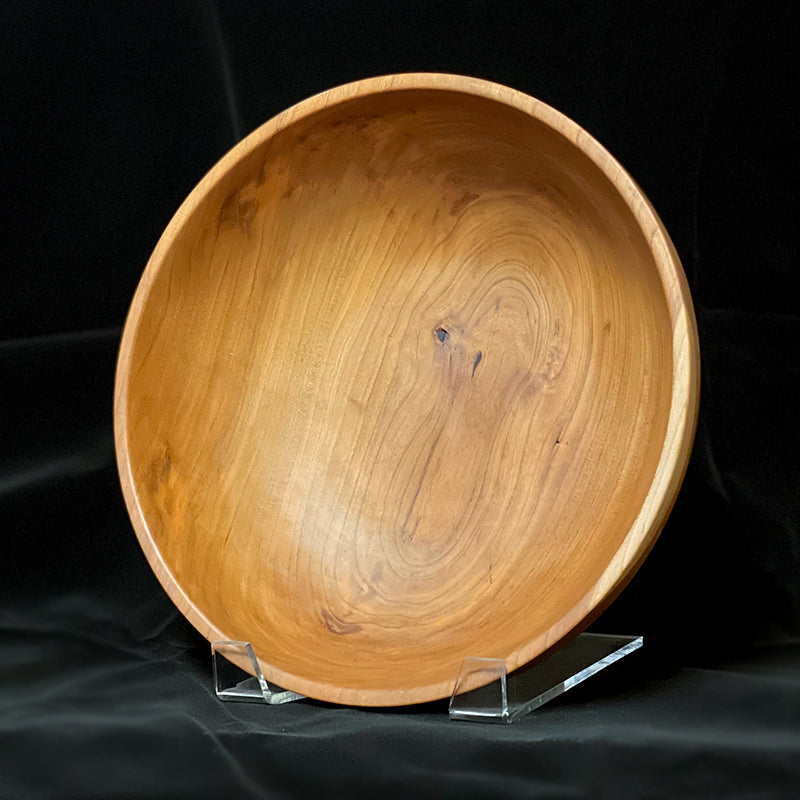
<point x="482" y="691"/>
<point x="233" y="684"/>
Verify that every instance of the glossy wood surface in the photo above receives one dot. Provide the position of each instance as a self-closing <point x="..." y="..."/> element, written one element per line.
<point x="411" y="376"/>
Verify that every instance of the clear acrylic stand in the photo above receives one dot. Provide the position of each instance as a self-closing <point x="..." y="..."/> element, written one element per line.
<point x="483" y="691"/>
<point x="233" y="683"/>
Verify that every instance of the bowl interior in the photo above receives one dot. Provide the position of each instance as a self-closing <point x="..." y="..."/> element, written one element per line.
<point x="397" y="390"/>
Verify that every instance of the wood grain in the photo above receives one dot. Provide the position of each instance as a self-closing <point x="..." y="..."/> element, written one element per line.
<point x="412" y="375"/>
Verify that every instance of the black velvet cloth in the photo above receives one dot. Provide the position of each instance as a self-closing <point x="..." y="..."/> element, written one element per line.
<point x="111" y="113"/>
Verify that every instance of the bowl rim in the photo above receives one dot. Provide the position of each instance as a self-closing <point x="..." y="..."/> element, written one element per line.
<point x="681" y="424"/>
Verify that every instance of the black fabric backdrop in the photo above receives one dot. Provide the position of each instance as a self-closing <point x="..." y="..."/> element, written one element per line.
<point x="111" y="113"/>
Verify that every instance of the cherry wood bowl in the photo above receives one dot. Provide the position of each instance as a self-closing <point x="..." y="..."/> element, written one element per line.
<point x="412" y="375"/>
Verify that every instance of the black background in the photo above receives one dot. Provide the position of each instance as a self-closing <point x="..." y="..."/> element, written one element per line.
<point x="111" y="112"/>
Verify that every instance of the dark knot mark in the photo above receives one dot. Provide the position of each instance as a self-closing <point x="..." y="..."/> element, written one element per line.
<point x="160" y="470"/>
<point x="441" y="334"/>
<point x="462" y="202"/>
<point x="338" y="626"/>
<point x="478" y="357"/>
<point x="237" y="212"/>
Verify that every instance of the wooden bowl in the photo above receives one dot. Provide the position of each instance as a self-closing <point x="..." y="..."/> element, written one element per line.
<point x="412" y="375"/>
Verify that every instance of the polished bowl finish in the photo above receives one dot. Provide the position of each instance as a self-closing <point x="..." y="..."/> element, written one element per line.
<point x="412" y="375"/>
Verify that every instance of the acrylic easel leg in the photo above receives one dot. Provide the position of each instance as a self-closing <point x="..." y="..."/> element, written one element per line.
<point x="483" y="692"/>
<point x="232" y="683"/>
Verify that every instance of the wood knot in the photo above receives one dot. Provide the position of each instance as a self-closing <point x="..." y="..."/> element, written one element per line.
<point x="338" y="626"/>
